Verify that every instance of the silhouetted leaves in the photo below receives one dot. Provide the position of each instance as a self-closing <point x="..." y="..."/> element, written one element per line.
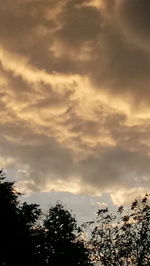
<point x="123" y="239"/>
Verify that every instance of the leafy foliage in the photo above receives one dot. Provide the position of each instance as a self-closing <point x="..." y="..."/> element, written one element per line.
<point x="122" y="239"/>
<point x="63" y="241"/>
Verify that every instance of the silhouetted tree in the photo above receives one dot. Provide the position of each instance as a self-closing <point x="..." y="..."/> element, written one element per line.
<point x="63" y="241"/>
<point x="122" y="239"/>
<point x="16" y="226"/>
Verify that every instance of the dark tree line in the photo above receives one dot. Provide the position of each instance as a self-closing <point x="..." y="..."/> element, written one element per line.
<point x="28" y="237"/>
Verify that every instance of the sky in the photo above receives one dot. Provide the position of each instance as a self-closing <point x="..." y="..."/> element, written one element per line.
<point x="75" y="100"/>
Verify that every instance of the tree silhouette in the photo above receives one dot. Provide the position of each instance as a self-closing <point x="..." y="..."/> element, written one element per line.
<point x="63" y="241"/>
<point x="122" y="239"/>
<point x="25" y="240"/>
<point x="16" y="226"/>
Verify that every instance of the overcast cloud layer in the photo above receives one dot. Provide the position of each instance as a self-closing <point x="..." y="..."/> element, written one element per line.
<point x="75" y="95"/>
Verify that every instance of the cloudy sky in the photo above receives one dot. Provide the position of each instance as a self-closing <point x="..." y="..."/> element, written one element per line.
<point x="75" y="100"/>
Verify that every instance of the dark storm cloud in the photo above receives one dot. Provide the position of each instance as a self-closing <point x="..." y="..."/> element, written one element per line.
<point x="117" y="168"/>
<point x="122" y="65"/>
<point x="79" y="25"/>
<point x="134" y="15"/>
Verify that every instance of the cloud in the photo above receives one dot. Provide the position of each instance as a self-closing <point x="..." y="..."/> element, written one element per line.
<point x="74" y="87"/>
<point x="103" y="43"/>
<point x="48" y="165"/>
<point x="134" y="18"/>
<point x="126" y="197"/>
